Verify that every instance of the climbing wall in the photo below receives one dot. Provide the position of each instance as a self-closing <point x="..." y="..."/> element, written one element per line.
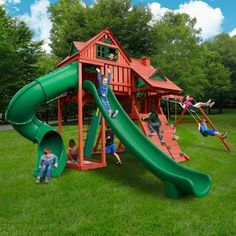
<point x="171" y="146"/>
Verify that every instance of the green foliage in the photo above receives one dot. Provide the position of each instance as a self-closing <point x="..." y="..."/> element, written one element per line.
<point x="225" y="47"/>
<point x="176" y="50"/>
<point x="73" y="21"/>
<point x="70" y="23"/>
<point x="18" y="55"/>
<point x="46" y="63"/>
<point x="218" y="77"/>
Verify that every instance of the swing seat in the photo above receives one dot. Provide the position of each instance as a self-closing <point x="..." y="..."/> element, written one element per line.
<point x="204" y="134"/>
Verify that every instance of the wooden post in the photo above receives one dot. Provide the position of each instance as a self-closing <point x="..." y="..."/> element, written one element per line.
<point x="181" y="116"/>
<point x="59" y="116"/>
<point x="103" y="140"/>
<point x="212" y="125"/>
<point x="80" y="116"/>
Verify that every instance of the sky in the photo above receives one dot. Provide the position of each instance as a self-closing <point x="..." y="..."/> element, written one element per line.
<point x="213" y="16"/>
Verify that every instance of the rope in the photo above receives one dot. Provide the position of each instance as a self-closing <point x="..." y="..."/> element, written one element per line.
<point x="192" y="115"/>
<point x="197" y="115"/>
<point x="168" y="112"/>
<point x="175" y="112"/>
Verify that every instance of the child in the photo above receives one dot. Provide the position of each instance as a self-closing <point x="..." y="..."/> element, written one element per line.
<point x="110" y="146"/>
<point x="154" y="125"/>
<point x="187" y="103"/>
<point x="103" y="84"/>
<point x="203" y="129"/>
<point x="46" y="163"/>
<point x="72" y="153"/>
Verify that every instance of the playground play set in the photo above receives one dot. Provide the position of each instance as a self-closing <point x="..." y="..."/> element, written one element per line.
<point x="136" y="85"/>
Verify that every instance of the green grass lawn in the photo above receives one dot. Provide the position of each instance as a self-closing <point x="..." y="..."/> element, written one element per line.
<point x="118" y="200"/>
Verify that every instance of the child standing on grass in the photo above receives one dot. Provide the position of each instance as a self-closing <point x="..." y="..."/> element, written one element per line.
<point x="110" y="146"/>
<point x="103" y="84"/>
<point x="203" y="129"/>
<point x="72" y="153"/>
<point x="46" y="163"/>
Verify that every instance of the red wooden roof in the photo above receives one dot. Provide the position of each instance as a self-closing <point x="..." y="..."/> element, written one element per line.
<point x="143" y="68"/>
<point x="146" y="72"/>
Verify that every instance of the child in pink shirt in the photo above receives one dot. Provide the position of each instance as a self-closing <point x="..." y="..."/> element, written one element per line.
<point x="187" y="103"/>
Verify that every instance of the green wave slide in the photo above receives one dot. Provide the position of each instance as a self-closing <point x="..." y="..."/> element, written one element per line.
<point x="21" y="113"/>
<point x="178" y="180"/>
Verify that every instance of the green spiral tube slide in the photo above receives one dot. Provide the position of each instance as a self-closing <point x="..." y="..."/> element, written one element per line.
<point x="21" y="112"/>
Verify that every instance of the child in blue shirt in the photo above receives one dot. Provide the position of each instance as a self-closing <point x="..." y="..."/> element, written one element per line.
<point x="110" y="146"/>
<point x="46" y="163"/>
<point x="203" y="129"/>
<point x="103" y="84"/>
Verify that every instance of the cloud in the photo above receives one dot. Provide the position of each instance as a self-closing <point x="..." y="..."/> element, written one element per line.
<point x="232" y="33"/>
<point x="157" y="11"/>
<point x="209" y="19"/>
<point x="39" y="21"/>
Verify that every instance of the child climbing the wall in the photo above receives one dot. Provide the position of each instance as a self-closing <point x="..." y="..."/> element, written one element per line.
<point x="110" y="146"/>
<point x="103" y="84"/>
<point x="188" y="103"/>
<point x="46" y="163"/>
<point x="72" y="153"/>
<point x="203" y="129"/>
<point x="154" y="125"/>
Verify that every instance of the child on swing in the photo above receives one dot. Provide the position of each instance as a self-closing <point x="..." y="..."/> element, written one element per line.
<point x="103" y="84"/>
<point x="188" y="103"/>
<point x="203" y="129"/>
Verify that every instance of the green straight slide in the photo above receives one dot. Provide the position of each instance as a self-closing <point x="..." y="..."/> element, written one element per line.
<point x="21" y="112"/>
<point x="178" y="180"/>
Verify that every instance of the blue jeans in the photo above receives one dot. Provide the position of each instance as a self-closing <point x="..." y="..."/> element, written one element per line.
<point x="106" y="103"/>
<point x="155" y="128"/>
<point x="46" y="170"/>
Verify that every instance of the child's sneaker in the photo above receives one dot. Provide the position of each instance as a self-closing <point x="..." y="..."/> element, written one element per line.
<point x="46" y="181"/>
<point x="162" y="142"/>
<point x="182" y="105"/>
<point x="152" y="134"/>
<point x="211" y="104"/>
<point x="37" y="180"/>
<point x="224" y="135"/>
<point x="119" y="163"/>
<point x="114" y="113"/>
<point x="208" y="102"/>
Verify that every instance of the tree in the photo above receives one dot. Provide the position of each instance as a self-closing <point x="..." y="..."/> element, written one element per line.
<point x="69" y="23"/>
<point x="225" y="46"/>
<point x="18" y="54"/>
<point x="74" y="21"/>
<point x="218" y="78"/>
<point x="176" y="49"/>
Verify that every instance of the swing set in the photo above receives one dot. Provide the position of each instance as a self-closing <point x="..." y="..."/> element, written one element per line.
<point x="193" y="112"/>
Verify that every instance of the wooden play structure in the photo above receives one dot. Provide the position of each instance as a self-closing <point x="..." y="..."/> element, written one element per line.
<point x="137" y="85"/>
